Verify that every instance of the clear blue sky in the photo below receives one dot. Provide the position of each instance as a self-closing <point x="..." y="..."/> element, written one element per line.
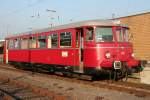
<point x="15" y="15"/>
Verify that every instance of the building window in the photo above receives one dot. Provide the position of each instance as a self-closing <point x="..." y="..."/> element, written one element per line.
<point x="24" y="43"/>
<point x="42" y="41"/>
<point x="65" y="39"/>
<point x="89" y="33"/>
<point x="32" y="42"/>
<point x="54" y="40"/>
<point x="11" y="44"/>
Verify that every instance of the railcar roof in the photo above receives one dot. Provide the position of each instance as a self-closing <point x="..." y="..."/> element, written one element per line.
<point x="74" y="25"/>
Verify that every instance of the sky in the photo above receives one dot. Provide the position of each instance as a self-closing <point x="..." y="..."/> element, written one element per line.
<point x="18" y="16"/>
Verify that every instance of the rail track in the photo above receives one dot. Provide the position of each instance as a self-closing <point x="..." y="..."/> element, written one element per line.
<point x="13" y="89"/>
<point x="16" y="90"/>
<point x="139" y="90"/>
<point x="13" y="92"/>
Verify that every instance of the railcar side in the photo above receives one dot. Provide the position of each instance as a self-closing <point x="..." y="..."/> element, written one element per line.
<point x="87" y="47"/>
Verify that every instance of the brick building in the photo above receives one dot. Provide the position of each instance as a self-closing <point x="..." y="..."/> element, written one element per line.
<point x="139" y="25"/>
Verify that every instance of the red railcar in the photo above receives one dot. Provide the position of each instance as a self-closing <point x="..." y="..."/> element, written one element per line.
<point x="86" y="47"/>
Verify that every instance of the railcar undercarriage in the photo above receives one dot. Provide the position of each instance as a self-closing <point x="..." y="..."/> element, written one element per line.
<point x="89" y="74"/>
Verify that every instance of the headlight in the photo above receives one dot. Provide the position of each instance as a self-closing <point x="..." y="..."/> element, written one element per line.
<point x="132" y="54"/>
<point x="107" y="55"/>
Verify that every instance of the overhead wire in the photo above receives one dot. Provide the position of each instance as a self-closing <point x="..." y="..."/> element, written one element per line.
<point x="18" y="11"/>
<point x="23" y="8"/>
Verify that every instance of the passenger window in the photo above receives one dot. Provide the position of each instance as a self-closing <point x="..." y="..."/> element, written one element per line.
<point x="54" y="40"/>
<point x="11" y="44"/>
<point x="65" y="39"/>
<point x="24" y="43"/>
<point x="89" y="33"/>
<point x="32" y="42"/>
<point x="42" y="41"/>
<point x="17" y="43"/>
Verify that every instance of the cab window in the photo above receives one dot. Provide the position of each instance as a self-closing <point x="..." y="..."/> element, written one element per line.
<point x="122" y="35"/>
<point x="126" y="34"/>
<point x="104" y="34"/>
<point x="119" y="35"/>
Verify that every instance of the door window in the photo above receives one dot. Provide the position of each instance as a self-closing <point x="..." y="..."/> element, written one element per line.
<point x="77" y="39"/>
<point x="89" y="33"/>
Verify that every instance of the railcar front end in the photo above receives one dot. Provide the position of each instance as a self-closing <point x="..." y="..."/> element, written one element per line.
<point x="108" y="49"/>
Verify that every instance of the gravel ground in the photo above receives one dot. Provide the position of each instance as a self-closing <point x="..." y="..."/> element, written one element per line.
<point x="77" y="91"/>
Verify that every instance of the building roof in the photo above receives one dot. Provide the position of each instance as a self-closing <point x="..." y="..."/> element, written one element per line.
<point x="136" y="14"/>
<point x="74" y="25"/>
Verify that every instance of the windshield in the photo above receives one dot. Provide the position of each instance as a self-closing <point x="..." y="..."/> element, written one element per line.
<point x="104" y="34"/>
<point x="122" y="34"/>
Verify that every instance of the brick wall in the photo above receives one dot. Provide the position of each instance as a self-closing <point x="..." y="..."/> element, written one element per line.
<point x="140" y="28"/>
